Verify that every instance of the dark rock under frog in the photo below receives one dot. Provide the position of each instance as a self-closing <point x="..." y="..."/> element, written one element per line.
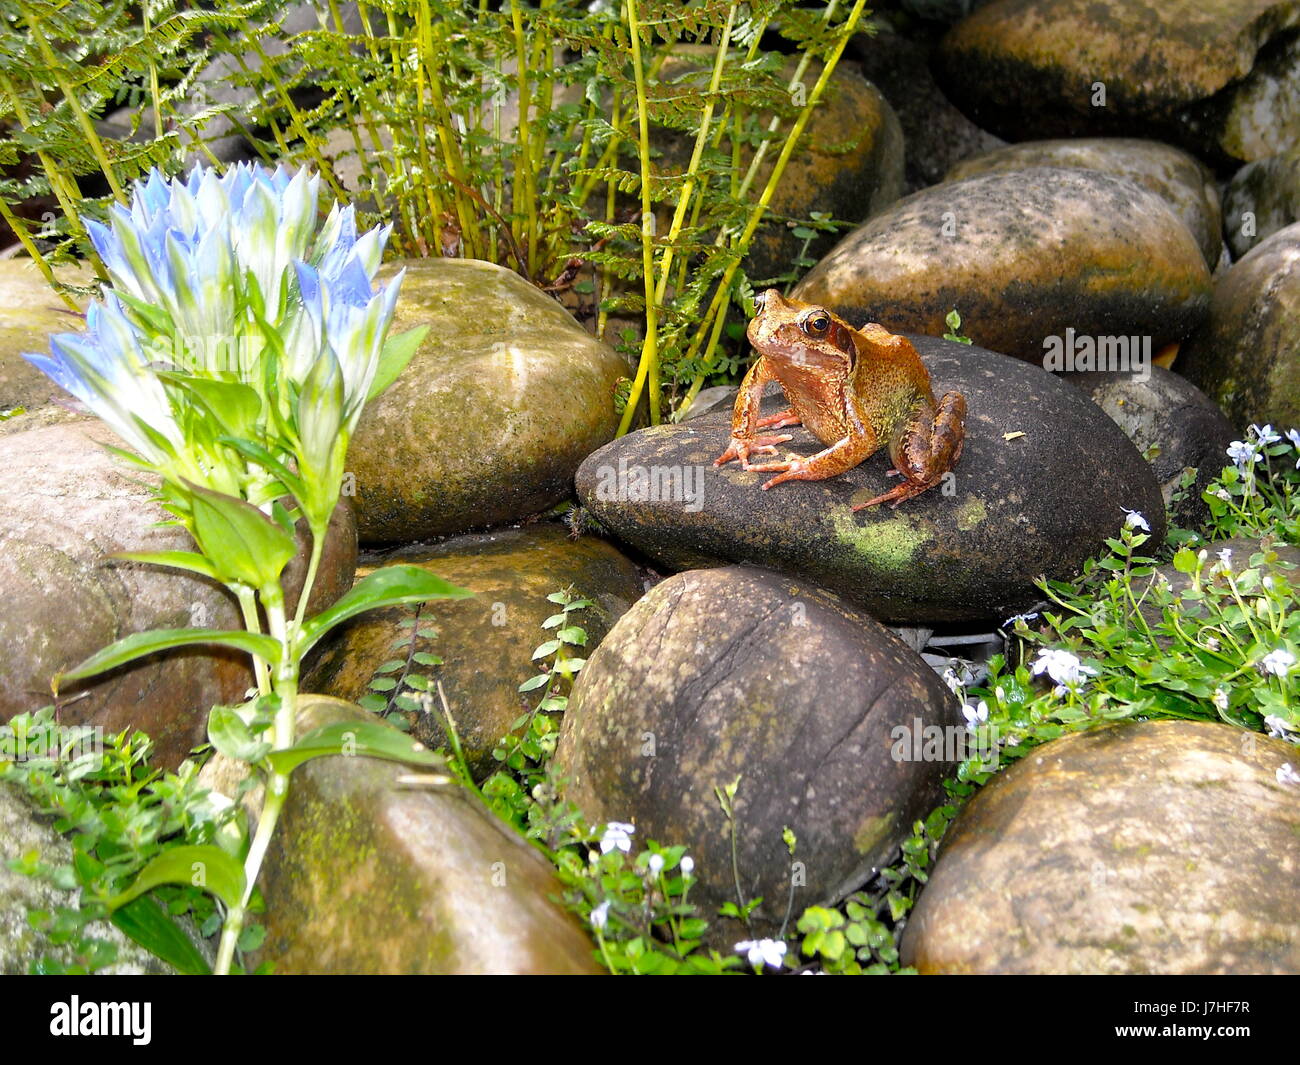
<point x="1043" y="479"/>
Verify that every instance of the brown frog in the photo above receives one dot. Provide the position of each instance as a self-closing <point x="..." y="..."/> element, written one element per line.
<point x="856" y="390"/>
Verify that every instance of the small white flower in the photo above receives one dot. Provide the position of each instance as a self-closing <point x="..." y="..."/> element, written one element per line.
<point x="770" y="952"/>
<point x="1134" y="520"/>
<point x="1212" y="643"/>
<point x="617" y="835"/>
<point x="1026" y="618"/>
<point x="688" y="865"/>
<point x="1294" y="436"/>
<point x="1063" y="667"/>
<point x="600" y="915"/>
<point x="1242" y="454"/>
<point x="952" y="680"/>
<point x="1000" y="694"/>
<point x="1225" y="558"/>
<point x="1281" y="729"/>
<point x="1277" y="662"/>
<point x="1225" y="495"/>
<point x="1286" y="774"/>
<point x="976" y="714"/>
<point x="1220" y="699"/>
<point x="1266" y="435"/>
<point x="655" y="864"/>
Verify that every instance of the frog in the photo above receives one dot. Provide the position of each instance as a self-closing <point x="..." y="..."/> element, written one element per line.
<point x="855" y="390"/>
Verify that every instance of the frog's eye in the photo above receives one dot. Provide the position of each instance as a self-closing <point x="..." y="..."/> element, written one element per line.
<point x="816" y="323"/>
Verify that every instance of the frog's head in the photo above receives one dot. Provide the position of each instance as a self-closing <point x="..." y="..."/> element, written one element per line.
<point x="791" y="332"/>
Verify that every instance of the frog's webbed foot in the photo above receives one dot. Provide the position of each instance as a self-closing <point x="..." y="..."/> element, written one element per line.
<point x="839" y="458"/>
<point x="754" y="445"/>
<point x="927" y="448"/>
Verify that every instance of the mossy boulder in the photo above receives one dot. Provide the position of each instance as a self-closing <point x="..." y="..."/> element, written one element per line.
<point x="1024" y="256"/>
<point x="743" y="673"/>
<point x="1262" y="198"/>
<point x="504" y="398"/>
<point x="368" y="876"/>
<point x="65" y="507"/>
<point x="30" y="311"/>
<point x="1215" y="76"/>
<point x="1186" y="184"/>
<point x="1165" y="847"/>
<point x="1244" y="356"/>
<point x="485" y="642"/>
<point x="1174" y="424"/>
<point x="1040" y="484"/>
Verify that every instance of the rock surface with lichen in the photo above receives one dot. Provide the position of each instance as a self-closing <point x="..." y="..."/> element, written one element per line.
<point x="367" y="874"/>
<point x="1167" y="847"/>
<point x="1043" y="479"/>
<point x="503" y="399"/>
<point x="1023" y="255"/>
<point x="742" y="674"/>
<point x="1217" y="76"/>
<point x="484" y="642"/>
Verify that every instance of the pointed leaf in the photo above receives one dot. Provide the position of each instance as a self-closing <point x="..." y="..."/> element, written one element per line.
<point x="388" y="586"/>
<point x="244" y="544"/>
<point x="232" y="737"/>
<point x="206" y="867"/>
<point x="187" y="560"/>
<point x="157" y="931"/>
<point x="368" y="738"/>
<point x="397" y="352"/>
<point x="139" y="644"/>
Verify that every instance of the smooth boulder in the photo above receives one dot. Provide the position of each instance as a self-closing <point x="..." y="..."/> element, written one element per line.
<point x="1211" y="75"/>
<point x="30" y="310"/>
<point x="1244" y="356"/>
<point x="65" y="507"/>
<point x="1262" y="198"/>
<point x="1042" y="481"/>
<point x="367" y="875"/>
<point x="1024" y="256"/>
<point x="1176" y="427"/>
<point x="1185" y="183"/>
<point x="1164" y="847"/>
<point x="506" y="395"/>
<point x="486" y="642"/>
<point x="819" y="713"/>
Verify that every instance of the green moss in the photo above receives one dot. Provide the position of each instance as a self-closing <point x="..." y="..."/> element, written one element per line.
<point x="892" y="544"/>
<point x="971" y="513"/>
<point x="871" y="832"/>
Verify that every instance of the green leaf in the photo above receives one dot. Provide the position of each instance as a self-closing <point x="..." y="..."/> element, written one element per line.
<point x="388" y="586"/>
<point x="186" y="560"/>
<point x="129" y="648"/>
<point x="244" y="544"/>
<point x="398" y="351"/>
<point x="232" y="737"/>
<point x="353" y="738"/>
<point x="1185" y="560"/>
<point x="206" y="867"/>
<point x="149" y="925"/>
<point x="234" y="405"/>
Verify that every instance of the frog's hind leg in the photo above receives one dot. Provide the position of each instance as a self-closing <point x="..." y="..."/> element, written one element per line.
<point x="926" y="448"/>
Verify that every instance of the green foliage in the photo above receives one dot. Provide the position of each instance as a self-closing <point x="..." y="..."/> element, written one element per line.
<point x="953" y="320"/>
<point x="620" y="154"/>
<point x="120" y="816"/>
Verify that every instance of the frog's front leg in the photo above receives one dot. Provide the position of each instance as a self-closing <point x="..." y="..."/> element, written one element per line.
<point x="745" y="421"/>
<point x="928" y="446"/>
<point x="839" y="458"/>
